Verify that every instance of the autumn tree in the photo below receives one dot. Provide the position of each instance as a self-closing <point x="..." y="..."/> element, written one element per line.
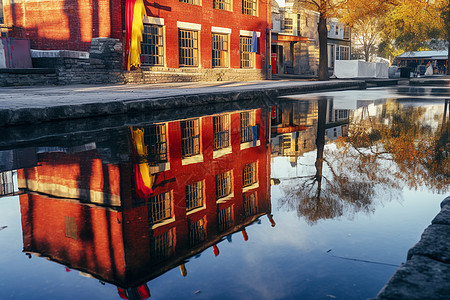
<point x="323" y="7"/>
<point x="381" y="155"/>
<point x="411" y="24"/>
<point x="366" y="17"/>
<point x="366" y="36"/>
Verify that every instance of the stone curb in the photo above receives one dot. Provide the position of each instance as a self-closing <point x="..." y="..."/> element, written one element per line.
<point x="24" y="116"/>
<point x="426" y="273"/>
<point x="430" y="81"/>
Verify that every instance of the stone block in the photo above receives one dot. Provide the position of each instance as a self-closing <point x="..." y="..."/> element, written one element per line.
<point x="443" y="217"/>
<point x="435" y="243"/>
<point x="419" y="278"/>
<point x="446" y="202"/>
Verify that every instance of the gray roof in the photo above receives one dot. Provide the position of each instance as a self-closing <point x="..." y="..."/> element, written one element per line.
<point x="425" y="54"/>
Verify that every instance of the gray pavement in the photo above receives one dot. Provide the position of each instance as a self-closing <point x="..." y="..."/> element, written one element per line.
<point x="40" y="104"/>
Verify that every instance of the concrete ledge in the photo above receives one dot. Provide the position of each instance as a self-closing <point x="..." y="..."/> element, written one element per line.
<point x="434" y="243"/>
<point x="420" y="278"/>
<point x="32" y="115"/>
<point x="435" y="80"/>
<point x="426" y="274"/>
<point x="28" y="71"/>
<point x="59" y="54"/>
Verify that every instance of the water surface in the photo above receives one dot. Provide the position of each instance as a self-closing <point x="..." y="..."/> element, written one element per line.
<point x="306" y="197"/>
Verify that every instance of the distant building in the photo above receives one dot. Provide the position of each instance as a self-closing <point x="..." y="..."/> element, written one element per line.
<point x="439" y="60"/>
<point x="295" y="40"/>
<point x="339" y="43"/>
<point x="295" y="123"/>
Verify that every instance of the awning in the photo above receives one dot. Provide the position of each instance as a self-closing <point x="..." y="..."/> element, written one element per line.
<point x="288" y="129"/>
<point x="289" y="38"/>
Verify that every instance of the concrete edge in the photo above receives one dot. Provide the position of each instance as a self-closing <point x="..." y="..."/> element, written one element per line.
<point x="425" y="275"/>
<point x="24" y="116"/>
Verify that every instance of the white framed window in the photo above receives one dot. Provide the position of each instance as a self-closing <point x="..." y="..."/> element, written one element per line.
<point x="220" y="52"/>
<point x="250" y="7"/>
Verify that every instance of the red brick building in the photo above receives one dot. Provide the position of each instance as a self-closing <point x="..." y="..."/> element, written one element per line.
<point x="207" y="39"/>
<point x="210" y="178"/>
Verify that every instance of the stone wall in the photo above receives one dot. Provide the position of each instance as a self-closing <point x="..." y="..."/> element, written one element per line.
<point x="102" y="64"/>
<point x="21" y="77"/>
<point x="164" y="75"/>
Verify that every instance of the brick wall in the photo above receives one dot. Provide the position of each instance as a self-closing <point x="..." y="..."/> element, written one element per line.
<point x="208" y="17"/>
<point x="102" y="64"/>
<point x="21" y="77"/>
<point x="63" y="24"/>
<point x="162" y="75"/>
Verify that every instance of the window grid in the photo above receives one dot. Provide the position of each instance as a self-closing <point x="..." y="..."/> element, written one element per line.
<point x="219" y="50"/>
<point x="225" y="219"/>
<point x="194" y="195"/>
<point x="249" y="7"/>
<point x="222" y="4"/>
<point x="343" y="53"/>
<point x="249" y="174"/>
<point x="340" y="114"/>
<point x="247" y="60"/>
<point x="190" y="137"/>
<point x="346" y="33"/>
<point x="250" y="207"/>
<point x="163" y="245"/>
<point x="288" y="25"/>
<point x="156" y="140"/>
<point x="247" y="122"/>
<point x="286" y="142"/>
<point x="221" y="132"/>
<point x="223" y="184"/>
<point x="152" y="46"/>
<point x="160" y="207"/>
<point x="197" y="232"/>
<point x="196" y="2"/>
<point x="188" y="48"/>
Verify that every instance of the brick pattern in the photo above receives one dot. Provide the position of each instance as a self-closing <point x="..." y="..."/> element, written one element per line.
<point x="14" y="79"/>
<point x="104" y="65"/>
<point x="63" y="25"/>
<point x="164" y="75"/>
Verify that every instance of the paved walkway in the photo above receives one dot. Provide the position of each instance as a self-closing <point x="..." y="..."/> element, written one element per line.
<point x="38" y="104"/>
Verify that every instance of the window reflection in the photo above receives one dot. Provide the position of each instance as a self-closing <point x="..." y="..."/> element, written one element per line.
<point x="129" y="217"/>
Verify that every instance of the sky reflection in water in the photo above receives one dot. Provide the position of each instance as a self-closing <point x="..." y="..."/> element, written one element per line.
<point x="354" y="184"/>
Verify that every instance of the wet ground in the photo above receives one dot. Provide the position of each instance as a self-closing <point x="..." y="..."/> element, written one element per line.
<point x="317" y="196"/>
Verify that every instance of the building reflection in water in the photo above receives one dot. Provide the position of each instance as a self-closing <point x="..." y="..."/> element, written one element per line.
<point x="128" y="209"/>
<point x="175" y="189"/>
<point x="381" y="148"/>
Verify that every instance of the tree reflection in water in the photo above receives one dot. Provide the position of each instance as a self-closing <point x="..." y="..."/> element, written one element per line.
<point x="380" y="156"/>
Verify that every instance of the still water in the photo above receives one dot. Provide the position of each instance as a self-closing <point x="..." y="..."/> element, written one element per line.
<point x="305" y="197"/>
